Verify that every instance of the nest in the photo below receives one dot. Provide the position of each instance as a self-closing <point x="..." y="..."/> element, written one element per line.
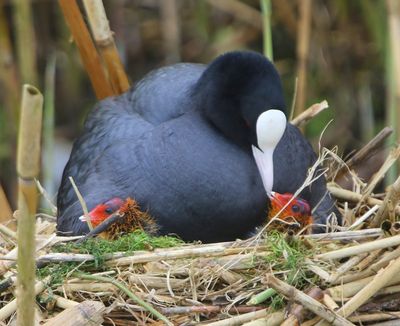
<point x="350" y="275"/>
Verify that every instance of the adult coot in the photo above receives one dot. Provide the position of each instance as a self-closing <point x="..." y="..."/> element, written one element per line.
<point x="181" y="144"/>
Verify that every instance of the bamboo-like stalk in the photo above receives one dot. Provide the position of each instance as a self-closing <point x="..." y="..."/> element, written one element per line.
<point x="104" y="40"/>
<point x="25" y="38"/>
<point x="7" y="310"/>
<point x="28" y="165"/>
<point x="346" y="235"/>
<point x="379" y="316"/>
<point x="303" y="44"/>
<point x="310" y="303"/>
<point x="267" y="34"/>
<point x="89" y="55"/>
<point x="391" y="200"/>
<point x="128" y="293"/>
<point x="361" y="248"/>
<point x="171" y="31"/>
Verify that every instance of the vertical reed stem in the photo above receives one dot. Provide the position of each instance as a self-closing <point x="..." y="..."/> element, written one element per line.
<point x="105" y="43"/>
<point x="25" y="41"/>
<point x="266" y="17"/>
<point x="89" y="55"/>
<point x="303" y="43"/>
<point x="28" y="165"/>
<point x="170" y="29"/>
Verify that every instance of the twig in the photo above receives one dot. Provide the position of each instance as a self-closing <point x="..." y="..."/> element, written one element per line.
<point x="89" y="55"/>
<point x="130" y="294"/>
<point x="301" y="298"/>
<point x="105" y="43"/>
<point x="310" y="113"/>
<point x="28" y="169"/>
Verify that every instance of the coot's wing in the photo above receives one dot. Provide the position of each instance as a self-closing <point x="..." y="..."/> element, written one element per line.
<point x="161" y="96"/>
<point x="292" y="159"/>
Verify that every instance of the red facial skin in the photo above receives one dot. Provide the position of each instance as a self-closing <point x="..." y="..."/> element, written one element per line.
<point x="298" y="209"/>
<point x="105" y="210"/>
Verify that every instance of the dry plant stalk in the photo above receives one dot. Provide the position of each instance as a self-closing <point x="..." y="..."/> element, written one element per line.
<point x="239" y="320"/>
<point x="303" y="44"/>
<point x="28" y="165"/>
<point x="310" y="113"/>
<point x="391" y="200"/>
<point x="5" y="209"/>
<point x="170" y="30"/>
<point x="311" y="304"/>
<point x="89" y="55"/>
<point x="361" y="248"/>
<point x="7" y="310"/>
<point x="105" y="43"/>
<point x="85" y="313"/>
<point x="355" y="197"/>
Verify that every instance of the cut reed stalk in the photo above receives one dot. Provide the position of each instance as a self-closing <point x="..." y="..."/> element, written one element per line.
<point x="89" y="55"/>
<point x="239" y="320"/>
<point x="171" y="31"/>
<point x="28" y="166"/>
<point x="105" y="43"/>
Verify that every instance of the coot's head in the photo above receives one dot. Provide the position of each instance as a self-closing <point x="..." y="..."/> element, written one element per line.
<point x="240" y="93"/>
<point x="103" y="211"/>
<point x="234" y="90"/>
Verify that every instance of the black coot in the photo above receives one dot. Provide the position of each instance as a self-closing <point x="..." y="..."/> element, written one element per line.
<point x="180" y="143"/>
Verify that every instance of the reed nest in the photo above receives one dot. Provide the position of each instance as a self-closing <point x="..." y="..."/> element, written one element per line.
<point x="350" y="275"/>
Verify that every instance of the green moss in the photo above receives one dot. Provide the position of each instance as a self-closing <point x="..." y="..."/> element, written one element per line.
<point x="99" y="248"/>
<point x="289" y="258"/>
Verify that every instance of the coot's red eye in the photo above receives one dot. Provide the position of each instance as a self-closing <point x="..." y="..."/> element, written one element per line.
<point x="108" y="210"/>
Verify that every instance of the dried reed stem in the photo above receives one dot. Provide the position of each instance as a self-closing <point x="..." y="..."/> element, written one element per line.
<point x="391" y="200"/>
<point x="355" y="197"/>
<point x="170" y="30"/>
<point x="89" y="55"/>
<point x="267" y="34"/>
<point x="361" y="248"/>
<point x="239" y="320"/>
<point x="28" y="169"/>
<point x="5" y="208"/>
<point x="105" y="43"/>
<point x="379" y="281"/>
<point x="84" y="313"/>
<point x="300" y="297"/>
<point x="364" y="318"/>
<point x="310" y="113"/>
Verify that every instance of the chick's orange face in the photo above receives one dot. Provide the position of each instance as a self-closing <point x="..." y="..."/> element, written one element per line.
<point x="296" y="207"/>
<point x="105" y="210"/>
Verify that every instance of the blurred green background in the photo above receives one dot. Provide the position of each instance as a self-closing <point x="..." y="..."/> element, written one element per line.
<point x="348" y="62"/>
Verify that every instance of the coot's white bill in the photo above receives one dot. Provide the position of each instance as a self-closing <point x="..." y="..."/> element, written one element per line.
<point x="270" y="127"/>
